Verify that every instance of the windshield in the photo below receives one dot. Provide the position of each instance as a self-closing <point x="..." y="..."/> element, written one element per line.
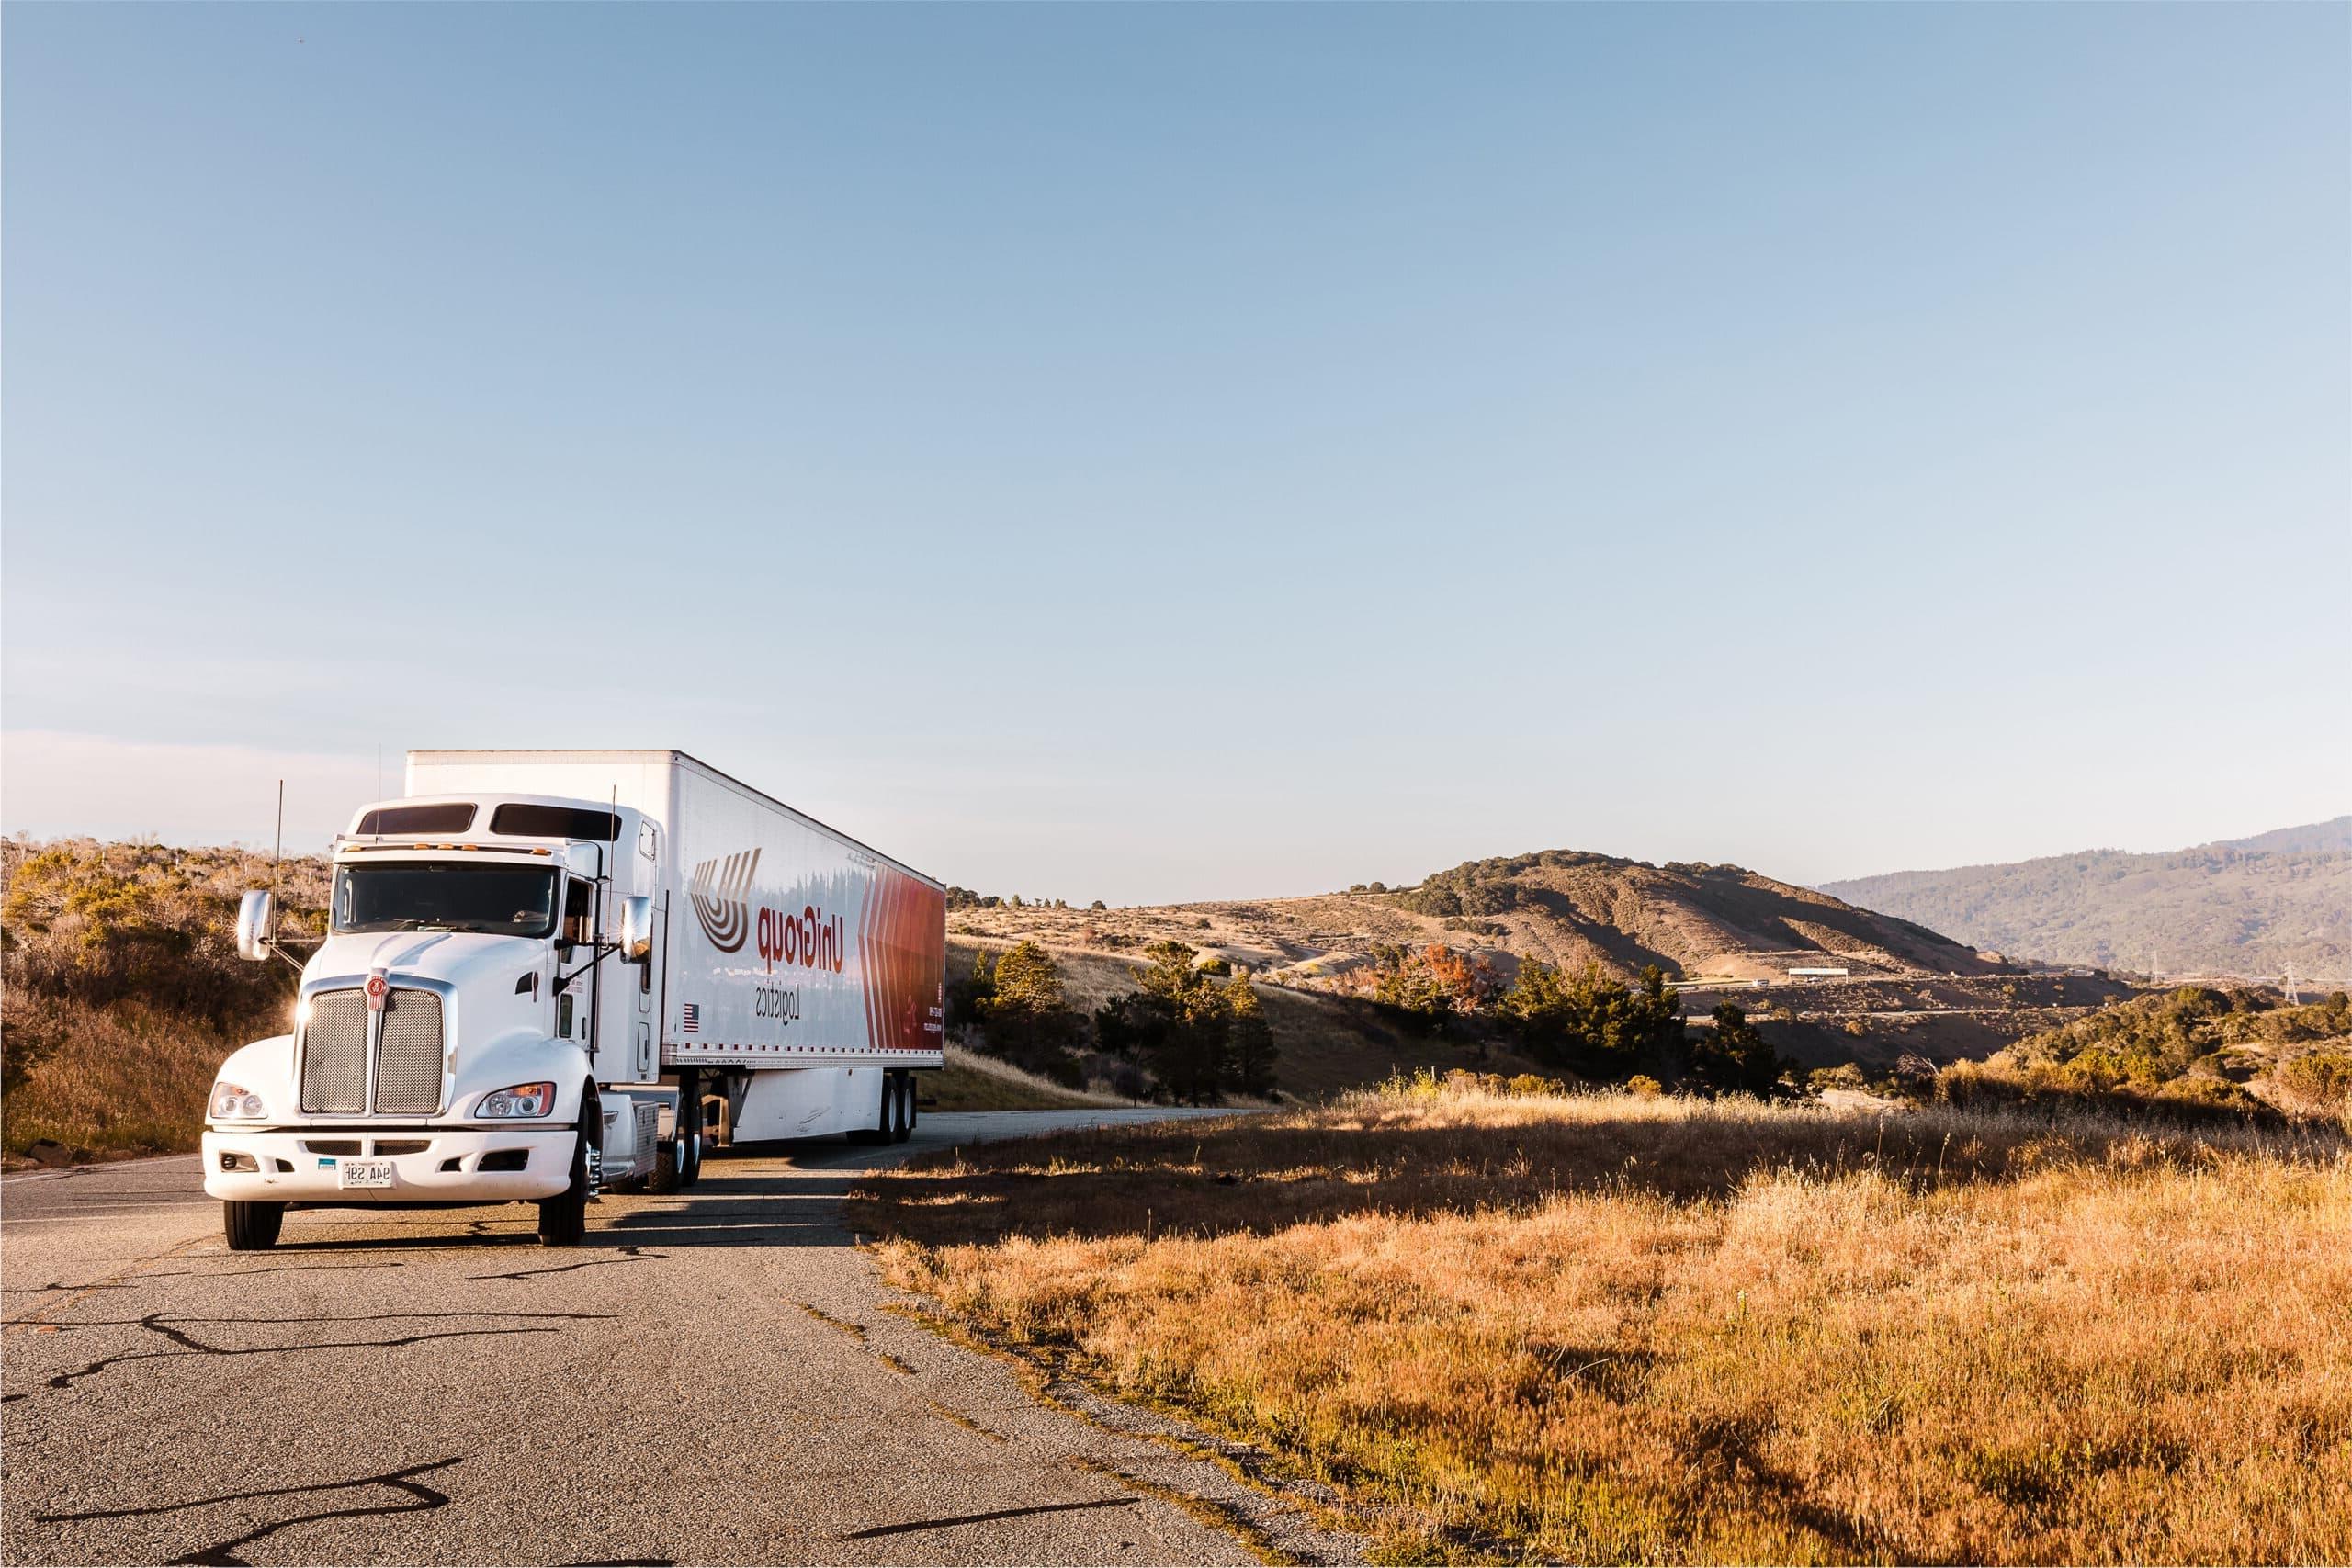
<point x="504" y="900"/>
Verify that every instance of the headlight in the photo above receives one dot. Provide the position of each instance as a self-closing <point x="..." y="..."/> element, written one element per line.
<point x="522" y="1100"/>
<point x="229" y="1100"/>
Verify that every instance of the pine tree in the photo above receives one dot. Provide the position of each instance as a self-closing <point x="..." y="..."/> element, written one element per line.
<point x="1249" y="1041"/>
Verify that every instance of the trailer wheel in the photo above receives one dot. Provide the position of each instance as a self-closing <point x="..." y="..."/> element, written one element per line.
<point x="563" y="1219"/>
<point x="251" y="1227"/>
<point x="902" y="1103"/>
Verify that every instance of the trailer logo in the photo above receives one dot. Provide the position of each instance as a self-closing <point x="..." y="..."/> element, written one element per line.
<point x="716" y="893"/>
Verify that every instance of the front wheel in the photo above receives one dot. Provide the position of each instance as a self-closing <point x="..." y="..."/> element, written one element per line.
<point x="563" y="1219"/>
<point x="251" y="1227"/>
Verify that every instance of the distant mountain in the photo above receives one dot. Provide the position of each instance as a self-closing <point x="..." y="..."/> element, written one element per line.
<point x="2238" y="906"/>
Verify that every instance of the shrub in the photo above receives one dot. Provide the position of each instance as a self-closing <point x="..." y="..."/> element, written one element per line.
<point x="2325" y="1077"/>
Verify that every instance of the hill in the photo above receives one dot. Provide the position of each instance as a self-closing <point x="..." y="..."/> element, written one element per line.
<point x="1564" y="907"/>
<point x="2248" y="906"/>
<point x="1725" y="933"/>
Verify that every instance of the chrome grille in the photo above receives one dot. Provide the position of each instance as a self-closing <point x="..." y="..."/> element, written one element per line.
<point x="408" y="1054"/>
<point x="334" y="1054"/>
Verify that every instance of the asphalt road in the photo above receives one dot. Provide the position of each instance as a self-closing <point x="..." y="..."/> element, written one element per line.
<point x="710" y="1379"/>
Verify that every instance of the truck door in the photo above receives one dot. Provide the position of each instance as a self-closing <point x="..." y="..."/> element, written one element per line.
<point x="575" y="1006"/>
<point x="642" y="984"/>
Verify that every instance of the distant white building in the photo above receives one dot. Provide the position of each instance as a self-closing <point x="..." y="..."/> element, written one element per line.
<point x="1819" y="973"/>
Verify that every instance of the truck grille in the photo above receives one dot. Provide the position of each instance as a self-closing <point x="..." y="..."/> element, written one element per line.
<point x="334" y="1054"/>
<point x="408" y="1054"/>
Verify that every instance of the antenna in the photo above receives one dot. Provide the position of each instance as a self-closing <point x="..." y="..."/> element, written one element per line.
<point x="277" y="854"/>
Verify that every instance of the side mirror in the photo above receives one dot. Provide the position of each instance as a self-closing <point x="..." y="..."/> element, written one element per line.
<point x="252" y="925"/>
<point x="636" y="930"/>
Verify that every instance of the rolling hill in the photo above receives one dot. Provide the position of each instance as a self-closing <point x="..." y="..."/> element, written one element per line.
<point x="2239" y="907"/>
<point x="1564" y="907"/>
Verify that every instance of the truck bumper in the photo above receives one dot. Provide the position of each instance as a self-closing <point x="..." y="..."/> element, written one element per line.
<point x="288" y="1168"/>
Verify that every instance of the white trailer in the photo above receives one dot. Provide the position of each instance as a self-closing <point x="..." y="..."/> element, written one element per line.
<point x="548" y="972"/>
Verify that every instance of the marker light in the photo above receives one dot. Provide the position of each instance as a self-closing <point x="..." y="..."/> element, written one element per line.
<point x="228" y="1099"/>
<point x="523" y="1100"/>
<point x="302" y="1013"/>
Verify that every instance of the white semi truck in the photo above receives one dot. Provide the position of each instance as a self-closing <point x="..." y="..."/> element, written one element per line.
<point x="547" y="973"/>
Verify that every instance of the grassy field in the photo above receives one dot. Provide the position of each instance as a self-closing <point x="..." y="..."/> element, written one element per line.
<point x="1622" y="1328"/>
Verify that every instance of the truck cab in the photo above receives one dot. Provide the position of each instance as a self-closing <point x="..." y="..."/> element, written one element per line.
<point x="480" y="1024"/>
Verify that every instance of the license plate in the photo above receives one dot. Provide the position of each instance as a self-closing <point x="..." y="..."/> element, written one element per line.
<point x="364" y="1173"/>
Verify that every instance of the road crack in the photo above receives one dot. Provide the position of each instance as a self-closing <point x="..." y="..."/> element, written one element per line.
<point x="425" y="1499"/>
<point x="168" y="1325"/>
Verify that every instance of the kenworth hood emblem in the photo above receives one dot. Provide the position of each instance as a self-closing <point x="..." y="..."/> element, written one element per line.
<point x="718" y="894"/>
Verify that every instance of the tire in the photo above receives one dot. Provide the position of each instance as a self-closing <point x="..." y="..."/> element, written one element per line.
<point x="563" y="1219"/>
<point x="902" y="1102"/>
<point x="251" y="1227"/>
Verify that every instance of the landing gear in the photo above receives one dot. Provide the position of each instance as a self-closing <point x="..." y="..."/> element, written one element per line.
<point x="251" y="1227"/>
<point x="669" y="1162"/>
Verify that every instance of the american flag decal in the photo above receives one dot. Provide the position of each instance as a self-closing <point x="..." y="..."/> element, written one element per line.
<point x="693" y="1022"/>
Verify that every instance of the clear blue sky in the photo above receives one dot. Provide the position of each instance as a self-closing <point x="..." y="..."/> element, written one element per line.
<point x="1164" y="452"/>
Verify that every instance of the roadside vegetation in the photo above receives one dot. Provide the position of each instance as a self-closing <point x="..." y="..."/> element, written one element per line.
<point x="1190" y="1029"/>
<point x="123" y="990"/>
<point x="2242" y="1051"/>
<point x="1510" y="1324"/>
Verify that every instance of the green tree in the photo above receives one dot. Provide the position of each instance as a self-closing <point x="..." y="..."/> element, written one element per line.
<point x="1026" y="982"/>
<point x="1596" y="1025"/>
<point x="1176" y="1025"/>
<point x="1024" y="1018"/>
<point x="1735" y="1055"/>
<point x="1249" y="1041"/>
<point x="967" y="999"/>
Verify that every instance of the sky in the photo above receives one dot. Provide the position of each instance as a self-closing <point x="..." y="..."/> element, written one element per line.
<point x="1156" y="453"/>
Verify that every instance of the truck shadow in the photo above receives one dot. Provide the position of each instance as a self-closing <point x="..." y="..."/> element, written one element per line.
<point x="767" y="1199"/>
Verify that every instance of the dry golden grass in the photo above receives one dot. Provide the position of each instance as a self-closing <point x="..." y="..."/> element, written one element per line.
<point x="122" y="1080"/>
<point x="1615" y="1328"/>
